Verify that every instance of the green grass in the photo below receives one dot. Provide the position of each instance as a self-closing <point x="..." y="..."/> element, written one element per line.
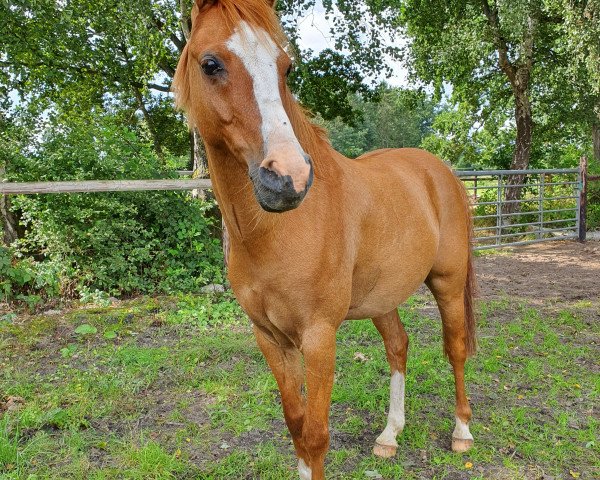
<point x="179" y="390"/>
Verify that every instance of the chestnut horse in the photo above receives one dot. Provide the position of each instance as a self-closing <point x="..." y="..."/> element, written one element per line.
<point x="317" y="238"/>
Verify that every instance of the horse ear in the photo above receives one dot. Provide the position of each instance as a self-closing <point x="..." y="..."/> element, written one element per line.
<point x="205" y="3"/>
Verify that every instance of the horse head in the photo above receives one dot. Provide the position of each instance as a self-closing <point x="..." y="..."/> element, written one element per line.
<point x="231" y="80"/>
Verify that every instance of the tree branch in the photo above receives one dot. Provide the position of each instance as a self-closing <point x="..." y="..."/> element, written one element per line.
<point x="160" y="88"/>
<point x="165" y="67"/>
<point x="160" y="26"/>
<point x="185" y="21"/>
<point x="528" y="41"/>
<point x="500" y="43"/>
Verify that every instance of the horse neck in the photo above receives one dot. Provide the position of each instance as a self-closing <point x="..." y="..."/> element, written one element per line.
<point x="246" y="221"/>
<point x="244" y="218"/>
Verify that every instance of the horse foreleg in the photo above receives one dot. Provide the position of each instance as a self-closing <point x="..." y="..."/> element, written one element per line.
<point x="452" y="311"/>
<point x="396" y="346"/>
<point x="286" y="364"/>
<point x="318" y="348"/>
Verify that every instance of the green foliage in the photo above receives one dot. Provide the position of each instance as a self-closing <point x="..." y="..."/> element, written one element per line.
<point x="399" y="118"/>
<point x="324" y="82"/>
<point x="206" y="311"/>
<point x="86" y="329"/>
<point x="593" y="208"/>
<point x="118" y="243"/>
<point x="28" y="281"/>
<point x="454" y="139"/>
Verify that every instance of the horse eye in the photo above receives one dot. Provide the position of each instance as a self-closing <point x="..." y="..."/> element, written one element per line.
<point x="210" y="66"/>
<point x="289" y="70"/>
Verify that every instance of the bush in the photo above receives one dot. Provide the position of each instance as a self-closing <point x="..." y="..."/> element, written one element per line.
<point x="118" y="243"/>
<point x="593" y="205"/>
<point x="27" y="281"/>
<point x="123" y="243"/>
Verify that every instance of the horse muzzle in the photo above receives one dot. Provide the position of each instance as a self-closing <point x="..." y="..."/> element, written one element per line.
<point x="276" y="192"/>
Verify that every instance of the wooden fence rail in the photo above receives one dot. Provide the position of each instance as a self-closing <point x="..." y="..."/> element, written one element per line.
<point x="103" y="186"/>
<point x="13" y="188"/>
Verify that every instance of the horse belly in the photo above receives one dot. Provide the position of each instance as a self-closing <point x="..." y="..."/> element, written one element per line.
<point x="380" y="287"/>
<point x="383" y="299"/>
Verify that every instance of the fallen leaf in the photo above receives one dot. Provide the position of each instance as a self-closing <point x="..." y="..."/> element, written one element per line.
<point x="12" y="404"/>
<point x="468" y="465"/>
<point x="574" y="474"/>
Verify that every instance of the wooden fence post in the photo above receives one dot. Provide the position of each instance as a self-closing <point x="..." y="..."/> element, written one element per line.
<point x="583" y="199"/>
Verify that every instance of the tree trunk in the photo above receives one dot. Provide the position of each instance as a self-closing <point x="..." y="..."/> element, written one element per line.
<point x="596" y="140"/>
<point x="522" y="152"/>
<point x="198" y="161"/>
<point x="518" y="72"/>
<point x="9" y="223"/>
<point x="200" y="165"/>
<point x="149" y="122"/>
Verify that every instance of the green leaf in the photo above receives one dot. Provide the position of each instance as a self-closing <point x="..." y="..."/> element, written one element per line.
<point x="86" y="329"/>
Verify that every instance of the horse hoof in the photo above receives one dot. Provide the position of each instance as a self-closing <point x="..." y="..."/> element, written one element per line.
<point x="461" y="445"/>
<point x="384" y="451"/>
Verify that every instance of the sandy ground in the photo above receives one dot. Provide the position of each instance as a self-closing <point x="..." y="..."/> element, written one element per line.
<point x="544" y="273"/>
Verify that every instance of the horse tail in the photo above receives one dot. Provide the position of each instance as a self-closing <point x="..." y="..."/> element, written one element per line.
<point x="470" y="291"/>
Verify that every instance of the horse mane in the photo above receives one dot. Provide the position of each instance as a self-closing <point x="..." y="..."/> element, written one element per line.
<point x="258" y="14"/>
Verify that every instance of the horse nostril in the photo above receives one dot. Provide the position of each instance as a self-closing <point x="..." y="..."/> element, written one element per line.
<point x="275" y="182"/>
<point x="269" y="165"/>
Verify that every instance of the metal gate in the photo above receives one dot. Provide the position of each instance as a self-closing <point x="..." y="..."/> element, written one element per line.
<point x="548" y="208"/>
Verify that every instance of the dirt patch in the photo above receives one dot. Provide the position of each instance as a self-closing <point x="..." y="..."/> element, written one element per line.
<point x="543" y="273"/>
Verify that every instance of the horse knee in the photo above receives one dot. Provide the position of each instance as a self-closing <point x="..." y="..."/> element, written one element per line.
<point x="295" y="423"/>
<point x="316" y="439"/>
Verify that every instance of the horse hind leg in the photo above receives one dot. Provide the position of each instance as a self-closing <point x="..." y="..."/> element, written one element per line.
<point x="459" y="342"/>
<point x="396" y="346"/>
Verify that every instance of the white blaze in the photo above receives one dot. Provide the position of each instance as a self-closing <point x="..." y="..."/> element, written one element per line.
<point x="304" y="470"/>
<point x="395" y="422"/>
<point x="259" y="54"/>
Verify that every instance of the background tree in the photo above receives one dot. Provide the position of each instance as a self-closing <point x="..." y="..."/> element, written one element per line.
<point x="400" y="118"/>
<point x="487" y="50"/>
<point x="579" y="40"/>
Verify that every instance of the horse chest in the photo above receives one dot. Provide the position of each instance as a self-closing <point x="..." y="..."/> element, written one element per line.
<point x="284" y="305"/>
<point x="278" y="321"/>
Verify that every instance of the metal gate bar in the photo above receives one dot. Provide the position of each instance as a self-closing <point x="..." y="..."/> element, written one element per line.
<point x="548" y="208"/>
